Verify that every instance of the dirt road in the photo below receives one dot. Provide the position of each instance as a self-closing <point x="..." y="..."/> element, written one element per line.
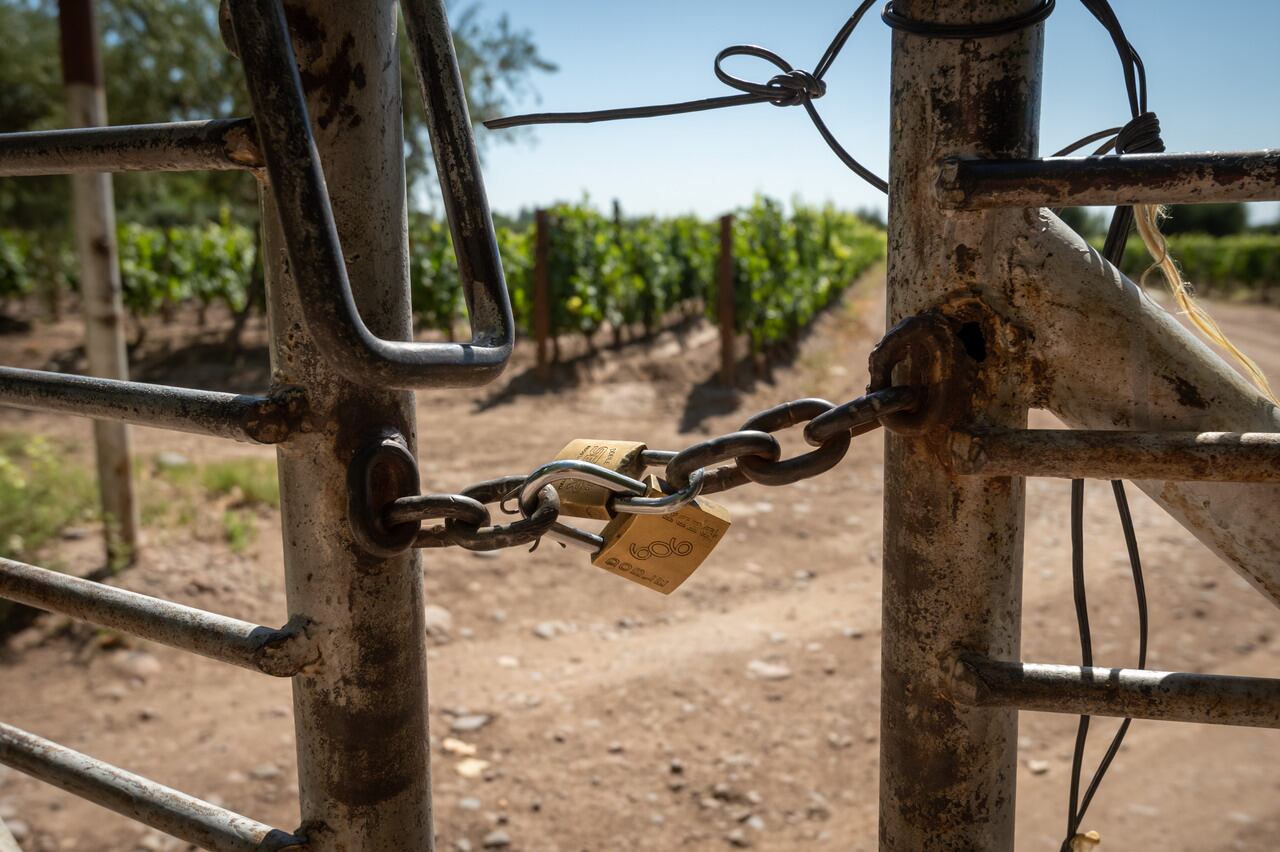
<point x="611" y="718"/>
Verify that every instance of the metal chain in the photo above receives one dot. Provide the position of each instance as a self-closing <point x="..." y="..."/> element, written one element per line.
<point x="751" y="454"/>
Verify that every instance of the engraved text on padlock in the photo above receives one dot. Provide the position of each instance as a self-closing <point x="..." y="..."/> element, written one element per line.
<point x="661" y="551"/>
<point x="584" y="499"/>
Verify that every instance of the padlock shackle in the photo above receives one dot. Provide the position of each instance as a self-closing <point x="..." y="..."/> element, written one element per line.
<point x="558" y="471"/>
<point x="665" y="504"/>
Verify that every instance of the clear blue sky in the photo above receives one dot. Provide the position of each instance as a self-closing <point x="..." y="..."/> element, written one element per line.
<point x="1214" y="80"/>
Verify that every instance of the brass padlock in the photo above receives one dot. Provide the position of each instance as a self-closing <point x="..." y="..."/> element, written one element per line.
<point x="661" y="551"/>
<point x="583" y="499"/>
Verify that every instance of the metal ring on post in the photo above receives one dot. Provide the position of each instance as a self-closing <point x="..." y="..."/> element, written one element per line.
<point x="545" y="511"/>
<point x="664" y="505"/>
<point x="723" y="448"/>
<point x="791" y="470"/>
<point x="861" y="415"/>
<point x="382" y="472"/>
<point x="937" y="368"/>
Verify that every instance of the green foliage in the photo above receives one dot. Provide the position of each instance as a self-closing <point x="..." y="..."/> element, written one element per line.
<point x="239" y="528"/>
<point x="40" y="494"/>
<point x="164" y="60"/>
<point x="787" y="270"/>
<point x="1242" y="265"/>
<point x="249" y="481"/>
<point x="1216" y="220"/>
<point x="637" y="271"/>
<point x="624" y="272"/>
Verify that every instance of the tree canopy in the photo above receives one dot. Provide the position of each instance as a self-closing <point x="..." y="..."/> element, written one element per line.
<point x="164" y="60"/>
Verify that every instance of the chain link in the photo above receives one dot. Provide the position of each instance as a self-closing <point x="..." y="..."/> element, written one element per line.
<point x="719" y="464"/>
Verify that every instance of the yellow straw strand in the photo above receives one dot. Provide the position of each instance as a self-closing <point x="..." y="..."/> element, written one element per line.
<point x="1147" y="217"/>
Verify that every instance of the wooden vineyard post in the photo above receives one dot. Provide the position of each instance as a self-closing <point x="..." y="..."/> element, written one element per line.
<point x="542" y="292"/>
<point x="93" y="207"/>
<point x="724" y="304"/>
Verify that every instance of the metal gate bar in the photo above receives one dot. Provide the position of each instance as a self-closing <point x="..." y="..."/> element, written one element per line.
<point x="1084" y="454"/>
<point x="983" y="184"/>
<point x="241" y="417"/>
<point x="282" y="653"/>
<point x="355" y="642"/>
<point x="180" y="146"/>
<point x="160" y="807"/>
<point x="1134" y="693"/>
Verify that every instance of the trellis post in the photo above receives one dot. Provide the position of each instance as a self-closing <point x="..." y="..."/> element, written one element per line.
<point x="93" y="206"/>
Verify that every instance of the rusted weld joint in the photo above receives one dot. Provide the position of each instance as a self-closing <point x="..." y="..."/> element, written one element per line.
<point x="242" y="146"/>
<point x="273" y="418"/>
<point x="383" y="471"/>
<point x="288" y="651"/>
<point x="923" y="352"/>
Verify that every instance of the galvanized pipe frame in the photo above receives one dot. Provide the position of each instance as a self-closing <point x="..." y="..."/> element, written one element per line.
<point x="1194" y="178"/>
<point x="141" y="799"/>
<point x="952" y="545"/>
<point x="267" y="419"/>
<point x="280" y="652"/>
<point x="298" y="185"/>
<point x="214" y="145"/>
<point x="1099" y="353"/>
<point x="1128" y="693"/>
<point x="1095" y="454"/>
<point x="361" y="718"/>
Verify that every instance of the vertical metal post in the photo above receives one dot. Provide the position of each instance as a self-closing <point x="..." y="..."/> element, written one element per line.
<point x="724" y="305"/>
<point x="952" y="546"/>
<point x="95" y="235"/>
<point x="542" y="291"/>
<point x="361" y="716"/>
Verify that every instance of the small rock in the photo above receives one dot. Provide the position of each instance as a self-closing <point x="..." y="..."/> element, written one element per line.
<point x="851" y="633"/>
<point x="738" y="838"/>
<point x="471" y="767"/>
<point x="457" y="747"/>
<point x="19" y="829"/>
<point x="768" y="671"/>
<point x="135" y="664"/>
<point x="549" y="629"/>
<point x="74" y="533"/>
<point x="804" y="574"/>
<point x="470" y="723"/>
<point x="462" y="844"/>
<point x="677" y="766"/>
<point x="755" y="822"/>
<point x="509" y="662"/>
<point x="615" y="748"/>
<point x="497" y="839"/>
<point x="171" y="461"/>
<point x="470" y="804"/>
<point x="264" y="772"/>
<point x="439" y="621"/>
<point x="1038" y="767"/>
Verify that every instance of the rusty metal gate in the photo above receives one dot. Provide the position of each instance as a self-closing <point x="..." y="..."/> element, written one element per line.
<point x="1031" y="317"/>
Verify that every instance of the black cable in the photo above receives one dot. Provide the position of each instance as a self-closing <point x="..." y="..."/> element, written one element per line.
<point x="1077" y="806"/>
<point x="792" y="87"/>
<point x="929" y="29"/>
